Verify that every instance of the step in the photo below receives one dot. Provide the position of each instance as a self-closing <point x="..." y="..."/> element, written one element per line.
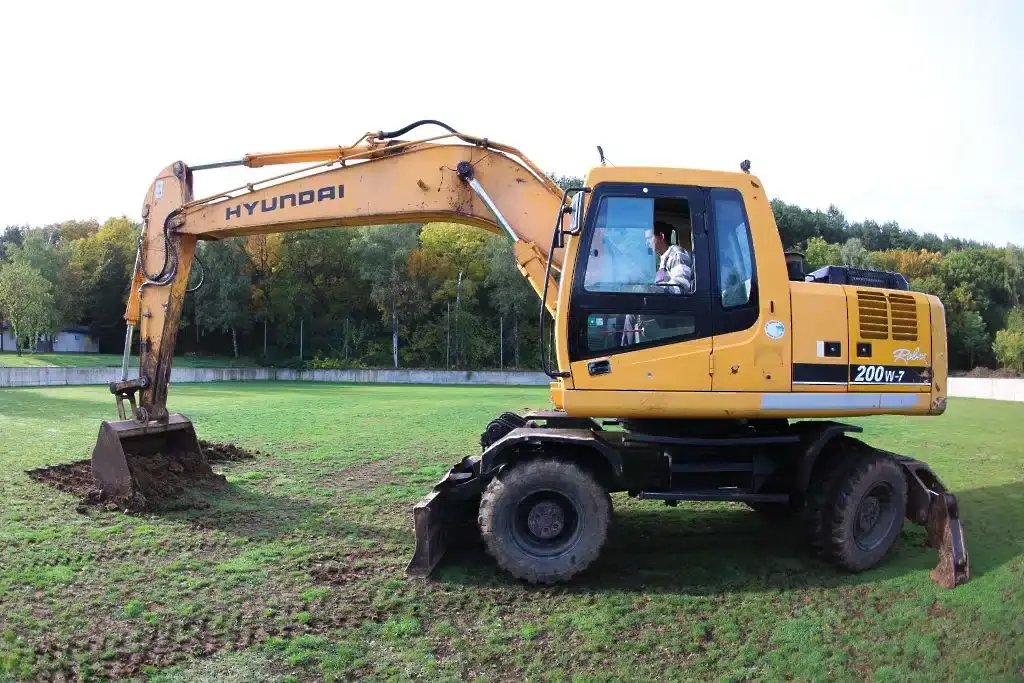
<point x="716" y="494"/>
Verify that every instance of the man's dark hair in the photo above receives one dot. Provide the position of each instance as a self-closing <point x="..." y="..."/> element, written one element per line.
<point x="664" y="229"/>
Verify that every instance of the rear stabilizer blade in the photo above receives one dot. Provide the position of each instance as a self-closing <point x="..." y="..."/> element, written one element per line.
<point x="946" y="534"/>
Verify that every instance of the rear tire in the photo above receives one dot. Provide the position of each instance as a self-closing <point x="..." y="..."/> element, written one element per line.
<point x="544" y="520"/>
<point x="856" y="511"/>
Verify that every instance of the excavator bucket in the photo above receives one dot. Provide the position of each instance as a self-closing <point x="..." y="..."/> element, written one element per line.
<point x="135" y="464"/>
<point x="930" y="504"/>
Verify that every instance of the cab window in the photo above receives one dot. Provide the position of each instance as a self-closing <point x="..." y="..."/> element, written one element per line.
<point x="642" y="245"/>
<point x="733" y="251"/>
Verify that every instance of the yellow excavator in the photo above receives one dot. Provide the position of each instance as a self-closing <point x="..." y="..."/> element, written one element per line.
<point x="691" y="359"/>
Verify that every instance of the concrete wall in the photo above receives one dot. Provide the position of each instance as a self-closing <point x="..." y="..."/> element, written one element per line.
<point x="987" y="387"/>
<point x="1001" y="389"/>
<point x="29" y="377"/>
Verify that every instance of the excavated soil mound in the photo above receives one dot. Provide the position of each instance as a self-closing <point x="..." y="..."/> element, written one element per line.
<point x="226" y="452"/>
<point x="74" y="477"/>
<point x="162" y="482"/>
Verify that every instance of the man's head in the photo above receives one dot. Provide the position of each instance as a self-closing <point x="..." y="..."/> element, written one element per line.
<point x="662" y="237"/>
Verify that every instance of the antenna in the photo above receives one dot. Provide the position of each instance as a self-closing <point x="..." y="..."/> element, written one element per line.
<point x="745" y="165"/>
<point x="600" y="153"/>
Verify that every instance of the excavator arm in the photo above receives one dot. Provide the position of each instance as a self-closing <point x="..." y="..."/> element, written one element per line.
<point x="377" y="181"/>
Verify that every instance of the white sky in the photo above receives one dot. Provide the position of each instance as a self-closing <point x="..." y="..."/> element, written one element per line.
<point x="906" y="111"/>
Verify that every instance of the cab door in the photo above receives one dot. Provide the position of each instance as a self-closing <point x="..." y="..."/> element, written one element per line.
<point x="626" y="331"/>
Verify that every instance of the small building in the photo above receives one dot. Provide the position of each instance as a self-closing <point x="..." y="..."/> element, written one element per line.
<point x="71" y="339"/>
<point x="6" y="338"/>
<point x="75" y="339"/>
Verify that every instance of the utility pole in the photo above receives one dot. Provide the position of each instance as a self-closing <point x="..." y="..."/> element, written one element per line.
<point x="448" y="344"/>
<point x="301" y="324"/>
<point x="458" y="300"/>
<point x="501" y="342"/>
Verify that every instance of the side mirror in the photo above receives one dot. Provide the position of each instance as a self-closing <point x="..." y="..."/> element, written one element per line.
<point x="576" y="217"/>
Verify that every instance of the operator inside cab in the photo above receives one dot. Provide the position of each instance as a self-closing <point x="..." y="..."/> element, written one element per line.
<point x="675" y="264"/>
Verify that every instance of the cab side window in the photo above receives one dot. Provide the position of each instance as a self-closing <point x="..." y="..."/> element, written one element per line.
<point x="733" y="251"/>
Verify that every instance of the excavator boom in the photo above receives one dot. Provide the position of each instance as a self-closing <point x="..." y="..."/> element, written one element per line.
<point x="378" y="180"/>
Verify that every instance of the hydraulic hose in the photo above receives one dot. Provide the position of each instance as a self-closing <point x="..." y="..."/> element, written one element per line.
<point x="416" y="124"/>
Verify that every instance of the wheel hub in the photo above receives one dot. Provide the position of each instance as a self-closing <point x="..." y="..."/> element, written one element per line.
<point x="870" y="510"/>
<point x="546" y="520"/>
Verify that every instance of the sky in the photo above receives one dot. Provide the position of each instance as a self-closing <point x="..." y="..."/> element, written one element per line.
<point x="906" y="111"/>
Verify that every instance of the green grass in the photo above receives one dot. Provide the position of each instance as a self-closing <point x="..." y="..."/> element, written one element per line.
<point x="295" y="571"/>
<point x="10" y="359"/>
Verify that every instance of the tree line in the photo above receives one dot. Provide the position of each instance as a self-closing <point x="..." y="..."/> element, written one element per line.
<point x="438" y="295"/>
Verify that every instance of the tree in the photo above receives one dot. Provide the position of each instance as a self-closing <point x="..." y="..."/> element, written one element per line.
<point x="1009" y="343"/>
<point x="510" y="292"/>
<point x="971" y="335"/>
<point x="264" y="252"/>
<point x="915" y="265"/>
<point x="820" y="253"/>
<point x="26" y="301"/>
<point x="222" y="302"/>
<point x="316" y="287"/>
<point x="382" y="254"/>
<point x="98" y="276"/>
<point x="11" y="237"/>
<point x="854" y="254"/>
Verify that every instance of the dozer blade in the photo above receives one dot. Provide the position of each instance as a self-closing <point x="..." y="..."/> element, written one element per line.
<point x="133" y="463"/>
<point x="431" y="539"/>
<point x="947" y="536"/>
<point x="444" y="517"/>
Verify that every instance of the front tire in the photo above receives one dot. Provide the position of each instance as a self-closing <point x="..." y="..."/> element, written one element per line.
<point x="544" y="520"/>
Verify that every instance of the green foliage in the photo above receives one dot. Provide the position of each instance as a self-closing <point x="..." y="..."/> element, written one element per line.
<point x="222" y="302"/>
<point x="854" y="254"/>
<point x="820" y="253"/>
<point x="134" y="608"/>
<point x="26" y="301"/>
<point x="1009" y="343"/>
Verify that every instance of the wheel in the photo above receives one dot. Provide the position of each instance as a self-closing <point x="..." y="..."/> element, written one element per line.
<point x="544" y="520"/>
<point x="860" y="508"/>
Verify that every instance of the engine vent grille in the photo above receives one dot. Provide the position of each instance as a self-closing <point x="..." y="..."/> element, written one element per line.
<point x="880" y="314"/>
<point x="903" y="310"/>
<point x="874" y="315"/>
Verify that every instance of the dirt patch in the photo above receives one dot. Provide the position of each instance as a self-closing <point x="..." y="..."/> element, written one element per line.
<point x="74" y="477"/>
<point x="339" y="571"/>
<point x="364" y="475"/>
<point x="227" y="452"/>
<point x="1000" y="373"/>
<point x="160" y="481"/>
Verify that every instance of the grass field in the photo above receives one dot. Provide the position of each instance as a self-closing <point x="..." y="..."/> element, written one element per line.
<point x="11" y="359"/>
<point x="295" y="571"/>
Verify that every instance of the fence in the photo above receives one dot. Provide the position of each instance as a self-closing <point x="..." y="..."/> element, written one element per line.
<point x="34" y="377"/>
<point x="970" y="387"/>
